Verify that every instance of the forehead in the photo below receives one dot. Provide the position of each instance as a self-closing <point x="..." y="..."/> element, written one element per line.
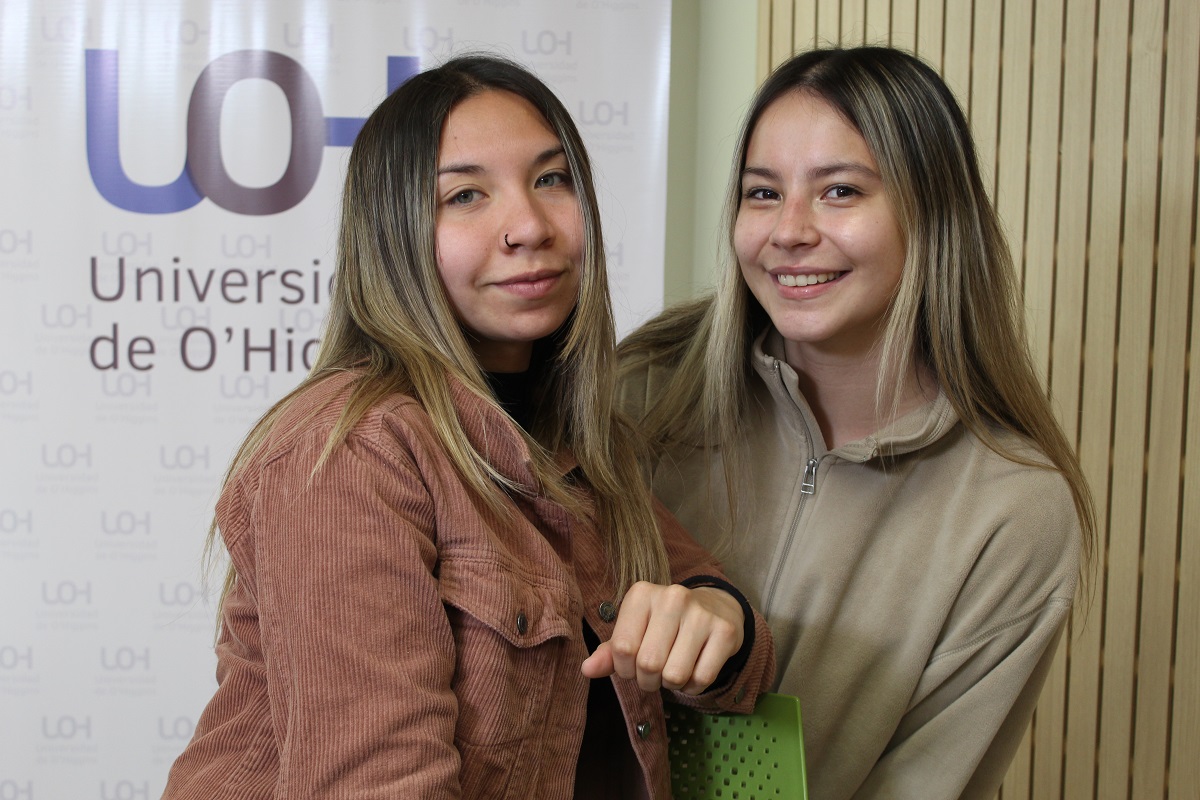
<point x="805" y="126"/>
<point x="493" y="123"/>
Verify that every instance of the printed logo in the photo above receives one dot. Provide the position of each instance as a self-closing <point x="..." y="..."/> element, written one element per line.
<point x="179" y="729"/>
<point x="13" y="241"/>
<point x="67" y="727"/>
<point x="13" y="657"/>
<point x="124" y="790"/>
<point x="15" y="790"/>
<point x="203" y="173"/>
<point x="15" y="383"/>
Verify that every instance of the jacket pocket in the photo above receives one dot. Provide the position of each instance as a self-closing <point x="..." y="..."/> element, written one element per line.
<point x="510" y="638"/>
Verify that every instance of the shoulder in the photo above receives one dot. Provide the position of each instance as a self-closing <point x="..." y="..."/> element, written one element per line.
<point x="1030" y="525"/>
<point x="309" y="443"/>
<point x="313" y="414"/>
<point x="649" y="357"/>
<point x="640" y="383"/>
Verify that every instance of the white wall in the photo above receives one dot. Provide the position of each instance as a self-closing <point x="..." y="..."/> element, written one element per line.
<point x="713" y="45"/>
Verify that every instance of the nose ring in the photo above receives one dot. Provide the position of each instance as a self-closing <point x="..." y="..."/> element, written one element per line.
<point x="506" y="244"/>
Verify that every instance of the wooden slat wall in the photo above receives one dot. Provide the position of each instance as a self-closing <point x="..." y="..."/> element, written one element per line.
<point x="1085" y="114"/>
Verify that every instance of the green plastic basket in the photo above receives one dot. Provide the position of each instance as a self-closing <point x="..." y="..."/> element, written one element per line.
<point x="757" y="756"/>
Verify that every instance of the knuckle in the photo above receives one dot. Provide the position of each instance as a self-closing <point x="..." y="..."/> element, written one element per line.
<point x="623" y="647"/>
<point x="674" y="676"/>
<point x="649" y="661"/>
<point x="676" y="597"/>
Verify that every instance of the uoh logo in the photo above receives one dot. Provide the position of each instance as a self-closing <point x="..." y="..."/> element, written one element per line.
<point x="204" y="172"/>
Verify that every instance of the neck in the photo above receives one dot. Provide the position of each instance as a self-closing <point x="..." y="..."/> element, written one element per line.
<point x="841" y="390"/>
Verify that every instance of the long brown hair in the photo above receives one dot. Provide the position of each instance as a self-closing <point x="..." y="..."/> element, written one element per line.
<point x="390" y="320"/>
<point x="957" y="309"/>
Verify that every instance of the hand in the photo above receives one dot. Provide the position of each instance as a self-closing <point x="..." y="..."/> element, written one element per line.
<point x="670" y="637"/>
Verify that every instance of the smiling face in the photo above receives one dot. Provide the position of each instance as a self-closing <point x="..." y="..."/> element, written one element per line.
<point x="816" y="237"/>
<point x="502" y="173"/>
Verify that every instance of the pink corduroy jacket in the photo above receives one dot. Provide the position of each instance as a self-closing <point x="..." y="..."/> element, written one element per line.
<point x="388" y="637"/>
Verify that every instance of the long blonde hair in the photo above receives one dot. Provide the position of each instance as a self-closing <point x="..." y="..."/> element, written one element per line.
<point x="957" y="308"/>
<point x="390" y="320"/>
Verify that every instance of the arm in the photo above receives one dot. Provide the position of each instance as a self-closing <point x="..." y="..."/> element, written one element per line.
<point x="977" y="692"/>
<point x="959" y="739"/>
<point x="358" y="647"/>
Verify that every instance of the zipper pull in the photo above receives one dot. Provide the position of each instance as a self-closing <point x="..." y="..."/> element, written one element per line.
<point x="810" y="477"/>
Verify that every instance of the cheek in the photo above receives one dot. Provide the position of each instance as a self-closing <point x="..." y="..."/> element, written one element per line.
<point x="745" y="241"/>
<point x="572" y="232"/>
<point x="457" y="258"/>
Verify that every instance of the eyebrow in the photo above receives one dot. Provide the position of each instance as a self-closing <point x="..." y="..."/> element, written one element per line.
<point x="816" y="173"/>
<point x="546" y="155"/>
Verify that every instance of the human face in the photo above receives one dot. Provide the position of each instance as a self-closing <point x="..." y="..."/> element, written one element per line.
<point x="502" y="172"/>
<point x="816" y="237"/>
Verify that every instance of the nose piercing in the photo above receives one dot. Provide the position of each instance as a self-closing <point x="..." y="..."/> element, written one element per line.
<point x="506" y="244"/>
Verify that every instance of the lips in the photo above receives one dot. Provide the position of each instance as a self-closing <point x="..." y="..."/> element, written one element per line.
<point x="531" y="285"/>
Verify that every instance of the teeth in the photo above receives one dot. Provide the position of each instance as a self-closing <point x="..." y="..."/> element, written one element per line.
<point x="806" y="280"/>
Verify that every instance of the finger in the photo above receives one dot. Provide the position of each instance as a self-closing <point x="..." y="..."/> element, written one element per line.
<point x="599" y="664"/>
<point x="682" y="659"/>
<point x="629" y="628"/>
<point x="720" y="645"/>
<point x="670" y="605"/>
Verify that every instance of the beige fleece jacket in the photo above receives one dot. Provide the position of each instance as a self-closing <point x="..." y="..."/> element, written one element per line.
<point x="916" y="583"/>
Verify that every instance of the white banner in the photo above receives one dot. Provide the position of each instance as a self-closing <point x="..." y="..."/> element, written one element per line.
<point x="150" y="312"/>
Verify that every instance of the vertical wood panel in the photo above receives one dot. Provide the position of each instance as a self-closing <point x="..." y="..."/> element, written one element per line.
<point x="1013" y="146"/>
<point x="1169" y="360"/>
<point x="829" y="22"/>
<point x="1185" y="707"/>
<point x="1016" y="780"/>
<point x="903" y="30"/>
<point x="804" y="28"/>
<point x="1085" y="113"/>
<point x="781" y="32"/>
<point x="1097" y="421"/>
<point x="1129" y="441"/>
<point x="854" y="21"/>
<point x="956" y="51"/>
<point x="987" y="26"/>
<point x="931" y="24"/>
<point x="877" y="29"/>
<point x="1037" y="268"/>
<point x="762" y="58"/>
<point x="1067" y="358"/>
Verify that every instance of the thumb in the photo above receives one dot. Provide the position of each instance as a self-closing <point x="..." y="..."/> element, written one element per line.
<point x="599" y="664"/>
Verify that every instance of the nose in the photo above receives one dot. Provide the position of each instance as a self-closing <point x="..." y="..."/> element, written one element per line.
<point x="795" y="225"/>
<point x="527" y="224"/>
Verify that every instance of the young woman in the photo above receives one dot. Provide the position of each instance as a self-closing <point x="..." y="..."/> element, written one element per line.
<point x="853" y="422"/>
<point x="430" y="534"/>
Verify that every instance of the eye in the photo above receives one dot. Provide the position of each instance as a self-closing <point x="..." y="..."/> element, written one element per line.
<point x="841" y="192"/>
<point x="463" y="197"/>
<point x="760" y="193"/>
<point x="552" y="179"/>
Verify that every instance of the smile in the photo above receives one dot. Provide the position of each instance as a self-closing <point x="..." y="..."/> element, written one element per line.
<point x="808" y="280"/>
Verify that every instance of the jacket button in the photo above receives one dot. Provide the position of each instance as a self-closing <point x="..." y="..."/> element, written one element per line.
<point x="608" y="611"/>
<point x="522" y="623"/>
<point x="643" y="730"/>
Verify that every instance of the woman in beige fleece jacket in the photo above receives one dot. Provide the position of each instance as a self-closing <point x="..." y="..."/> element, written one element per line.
<point x="854" y="418"/>
<point x="431" y="534"/>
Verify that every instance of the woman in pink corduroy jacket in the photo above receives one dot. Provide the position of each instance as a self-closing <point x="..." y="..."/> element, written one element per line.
<point x="449" y="578"/>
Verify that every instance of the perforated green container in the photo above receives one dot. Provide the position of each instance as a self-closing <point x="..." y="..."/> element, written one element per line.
<point x="738" y="757"/>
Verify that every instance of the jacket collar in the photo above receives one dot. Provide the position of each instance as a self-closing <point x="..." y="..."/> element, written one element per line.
<point x="913" y="431"/>
<point x="496" y="437"/>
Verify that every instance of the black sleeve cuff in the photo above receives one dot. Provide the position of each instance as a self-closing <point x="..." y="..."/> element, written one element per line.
<point x="734" y="665"/>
